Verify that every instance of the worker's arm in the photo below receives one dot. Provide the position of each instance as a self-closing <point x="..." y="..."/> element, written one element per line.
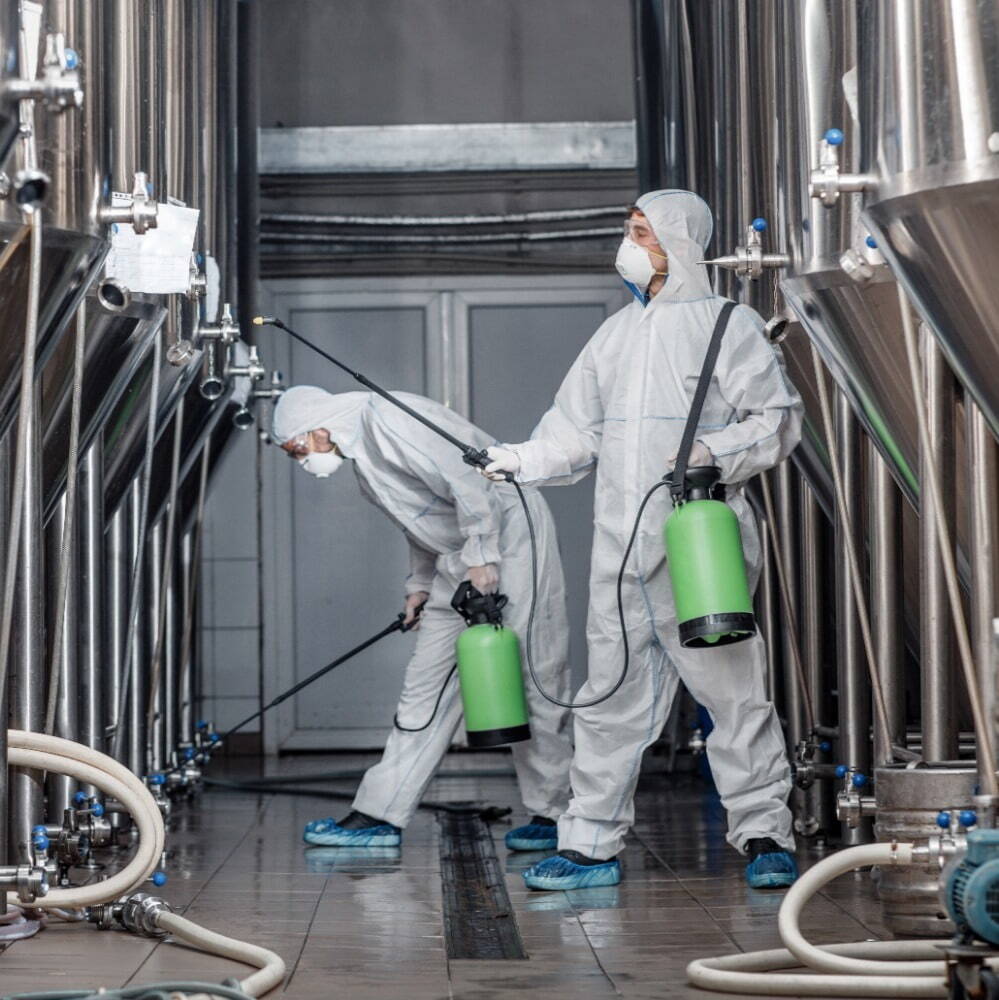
<point x="421" y="569"/>
<point x="751" y="378"/>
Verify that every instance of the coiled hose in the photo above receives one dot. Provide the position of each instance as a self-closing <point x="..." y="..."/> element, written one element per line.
<point x="50" y="753"/>
<point x="863" y="969"/>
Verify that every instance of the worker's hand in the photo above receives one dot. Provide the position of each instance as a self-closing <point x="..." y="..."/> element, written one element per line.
<point x="414" y="605"/>
<point x="699" y="455"/>
<point x="503" y="461"/>
<point x="485" y="579"/>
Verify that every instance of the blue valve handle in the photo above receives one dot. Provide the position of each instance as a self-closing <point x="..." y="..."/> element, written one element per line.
<point x="825" y="746"/>
<point x="834" y="136"/>
<point x="158" y="878"/>
<point x="871" y="242"/>
<point x="41" y="841"/>
<point x="202" y="724"/>
<point x="96" y="809"/>
<point x="967" y="817"/>
<point x="943" y="819"/>
<point x="80" y="798"/>
<point x="759" y="225"/>
<point x="842" y="770"/>
<point x="157" y="779"/>
<point x="859" y="780"/>
<point x="72" y="59"/>
<point x="38" y="831"/>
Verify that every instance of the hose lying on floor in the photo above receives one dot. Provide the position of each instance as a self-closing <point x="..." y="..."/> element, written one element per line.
<point x="864" y="969"/>
<point x="50" y="753"/>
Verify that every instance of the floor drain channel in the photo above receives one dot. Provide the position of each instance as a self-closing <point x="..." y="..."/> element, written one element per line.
<point x="479" y="921"/>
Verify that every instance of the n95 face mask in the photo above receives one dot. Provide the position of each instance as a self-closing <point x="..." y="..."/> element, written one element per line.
<point x="633" y="264"/>
<point x="321" y="464"/>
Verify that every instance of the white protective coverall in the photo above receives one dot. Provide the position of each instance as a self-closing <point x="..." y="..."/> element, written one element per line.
<point x="453" y="519"/>
<point x="622" y="408"/>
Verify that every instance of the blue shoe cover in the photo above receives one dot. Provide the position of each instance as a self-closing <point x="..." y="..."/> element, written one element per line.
<point x="561" y="873"/>
<point x="772" y="871"/>
<point x="328" y="833"/>
<point x="532" y="837"/>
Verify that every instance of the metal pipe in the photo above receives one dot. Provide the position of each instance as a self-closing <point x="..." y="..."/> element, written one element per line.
<point x="813" y="598"/>
<point x="155" y="759"/>
<point x="117" y="622"/>
<point x="509" y="218"/>
<point x="5" y="463"/>
<point x="600" y="232"/>
<point x="983" y="538"/>
<point x="171" y="643"/>
<point x="936" y="634"/>
<point x="185" y="696"/>
<point x="27" y="700"/>
<point x="767" y="608"/>
<point x="885" y="513"/>
<point x="854" y="693"/>
<point x="136" y="629"/>
<point x="91" y="621"/>
<point x="247" y="179"/>
<point x="650" y="107"/>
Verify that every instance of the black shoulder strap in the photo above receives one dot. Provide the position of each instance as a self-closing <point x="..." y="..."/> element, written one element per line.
<point x="678" y="486"/>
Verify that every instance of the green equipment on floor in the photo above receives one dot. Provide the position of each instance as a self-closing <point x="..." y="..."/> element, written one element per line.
<point x="489" y="671"/>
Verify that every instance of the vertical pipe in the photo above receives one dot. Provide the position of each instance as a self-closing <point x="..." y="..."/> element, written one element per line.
<point x="117" y="616"/>
<point x="767" y="609"/>
<point x="136" y="707"/>
<point x="982" y="546"/>
<point x="186" y="696"/>
<point x="92" y="625"/>
<point x="936" y="634"/>
<point x="852" y="683"/>
<point x="5" y="856"/>
<point x="247" y="181"/>
<point x="60" y="787"/>
<point x="151" y="604"/>
<point x="650" y="136"/>
<point x="885" y="513"/>
<point x="27" y="701"/>
<point x="171" y="645"/>
<point x="812" y="601"/>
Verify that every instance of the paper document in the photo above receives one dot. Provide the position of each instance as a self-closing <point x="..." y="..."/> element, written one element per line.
<point x="159" y="261"/>
<point x="213" y="291"/>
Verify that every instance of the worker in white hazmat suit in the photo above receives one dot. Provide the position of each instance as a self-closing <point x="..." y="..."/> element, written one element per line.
<point x="622" y="410"/>
<point x="458" y="527"/>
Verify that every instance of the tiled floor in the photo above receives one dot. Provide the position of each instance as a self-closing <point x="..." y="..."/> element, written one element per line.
<point x="369" y="925"/>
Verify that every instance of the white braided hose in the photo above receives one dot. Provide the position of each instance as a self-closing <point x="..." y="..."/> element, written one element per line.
<point x="857" y="970"/>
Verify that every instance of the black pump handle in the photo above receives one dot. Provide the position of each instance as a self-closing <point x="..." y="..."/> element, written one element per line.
<point x="678" y="477"/>
<point x="470" y="604"/>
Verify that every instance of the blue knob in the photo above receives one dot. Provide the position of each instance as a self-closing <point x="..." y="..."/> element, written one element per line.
<point x="200" y="259"/>
<point x="841" y="770"/>
<point x="41" y="842"/>
<point x="760" y="225"/>
<point x="943" y="819"/>
<point x="157" y="779"/>
<point x="72" y="59"/>
<point x="159" y="878"/>
<point x="96" y="808"/>
<point x="80" y="798"/>
<point x="38" y="831"/>
<point x="834" y="136"/>
<point x="967" y="817"/>
<point x="214" y="737"/>
<point x="825" y="746"/>
<point x="859" y="780"/>
<point x="189" y="753"/>
<point x="202" y="724"/>
<point x="871" y="242"/>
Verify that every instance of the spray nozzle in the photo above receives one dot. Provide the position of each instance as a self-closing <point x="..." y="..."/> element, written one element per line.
<point x="476" y="608"/>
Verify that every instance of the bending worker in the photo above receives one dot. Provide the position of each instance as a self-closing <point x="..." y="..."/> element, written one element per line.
<point x="458" y="527"/>
<point x="622" y="409"/>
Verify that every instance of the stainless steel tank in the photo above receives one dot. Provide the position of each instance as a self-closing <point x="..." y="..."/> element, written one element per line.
<point x="908" y="802"/>
<point x="928" y="87"/>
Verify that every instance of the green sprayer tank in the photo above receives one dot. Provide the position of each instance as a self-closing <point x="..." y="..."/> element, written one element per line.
<point x="707" y="567"/>
<point x="489" y="671"/>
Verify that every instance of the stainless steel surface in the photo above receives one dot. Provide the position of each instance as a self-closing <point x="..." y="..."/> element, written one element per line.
<point x="93" y="646"/>
<point x="936" y="641"/>
<point x="908" y="801"/>
<point x="854" y="693"/>
<point x="117" y="569"/>
<point x="135" y="710"/>
<point x="185" y="679"/>
<point x="929" y="105"/>
<point x="156" y="750"/>
<point x="60" y="787"/>
<point x="463" y="146"/>
<point x="885" y="533"/>
<point x="768" y="610"/>
<point x="981" y="470"/>
<point x="27" y="670"/>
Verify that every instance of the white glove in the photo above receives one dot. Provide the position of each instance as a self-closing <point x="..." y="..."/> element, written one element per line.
<point x="414" y="604"/>
<point x="699" y="455"/>
<point x="485" y="579"/>
<point x="503" y="461"/>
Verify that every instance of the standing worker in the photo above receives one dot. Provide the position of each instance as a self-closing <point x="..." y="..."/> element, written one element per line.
<point x="622" y="408"/>
<point x="458" y="528"/>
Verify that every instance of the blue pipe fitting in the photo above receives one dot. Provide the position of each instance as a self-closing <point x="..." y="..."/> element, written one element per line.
<point x="842" y="770"/>
<point x="967" y="817"/>
<point x="759" y="225"/>
<point x="96" y="809"/>
<point x="834" y="136"/>
<point x="859" y="780"/>
<point x="871" y="242"/>
<point x="80" y="799"/>
<point x="943" y="819"/>
<point x="158" y="878"/>
<point x="825" y="746"/>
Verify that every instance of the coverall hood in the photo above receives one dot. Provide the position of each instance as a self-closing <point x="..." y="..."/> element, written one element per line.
<point x="304" y="408"/>
<point x="683" y="225"/>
